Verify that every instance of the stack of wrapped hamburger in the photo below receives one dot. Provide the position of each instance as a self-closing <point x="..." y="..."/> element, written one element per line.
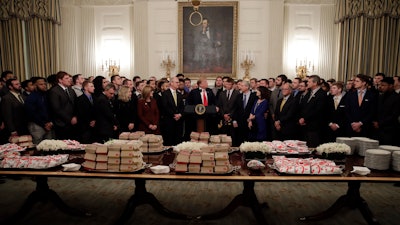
<point x="23" y="141"/>
<point x="221" y="139"/>
<point x="202" y="137"/>
<point x="96" y="157"/>
<point x="114" y="157"/>
<point x="305" y="166"/>
<point x="131" y="135"/>
<point x="151" y="143"/>
<point x="201" y="158"/>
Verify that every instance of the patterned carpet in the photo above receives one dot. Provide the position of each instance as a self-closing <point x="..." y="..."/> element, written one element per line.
<point x="106" y="199"/>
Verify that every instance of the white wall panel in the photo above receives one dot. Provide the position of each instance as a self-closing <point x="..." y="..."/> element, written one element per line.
<point x="252" y="36"/>
<point x="88" y="42"/>
<point x="302" y="37"/>
<point x="69" y="51"/>
<point x="327" y="43"/>
<point x="163" y="35"/>
<point x="113" y="38"/>
<point x="273" y="30"/>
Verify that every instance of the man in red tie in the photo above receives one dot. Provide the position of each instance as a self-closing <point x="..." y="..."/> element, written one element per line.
<point x="204" y="95"/>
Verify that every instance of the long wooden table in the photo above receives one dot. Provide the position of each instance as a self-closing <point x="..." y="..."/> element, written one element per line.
<point x="247" y="198"/>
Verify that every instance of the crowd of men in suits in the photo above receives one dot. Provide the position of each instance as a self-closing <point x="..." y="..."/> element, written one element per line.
<point x="309" y="109"/>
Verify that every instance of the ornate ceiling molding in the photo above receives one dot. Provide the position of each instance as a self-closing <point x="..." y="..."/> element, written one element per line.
<point x="95" y="2"/>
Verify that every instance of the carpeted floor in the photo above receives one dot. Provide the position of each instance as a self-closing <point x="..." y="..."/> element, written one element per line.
<point x="106" y="199"/>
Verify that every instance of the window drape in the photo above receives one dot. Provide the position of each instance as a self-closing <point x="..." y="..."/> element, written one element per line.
<point x="369" y="37"/>
<point x="29" y="37"/>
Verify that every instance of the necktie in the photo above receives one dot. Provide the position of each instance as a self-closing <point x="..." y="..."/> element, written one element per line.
<point x="91" y="99"/>
<point x="244" y="101"/>
<point x="311" y="95"/>
<point x="20" y="98"/>
<point x="282" y="104"/>
<point x="175" y="99"/>
<point x="360" y="97"/>
<point x="279" y="93"/>
<point x="205" y="102"/>
<point x="66" y="91"/>
<point x="336" y="102"/>
<point x="229" y="94"/>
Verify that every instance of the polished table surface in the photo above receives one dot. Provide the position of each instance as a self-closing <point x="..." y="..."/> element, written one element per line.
<point x="243" y="174"/>
<point x="247" y="198"/>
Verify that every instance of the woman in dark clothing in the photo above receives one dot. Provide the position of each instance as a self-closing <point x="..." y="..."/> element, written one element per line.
<point x="148" y="112"/>
<point x="99" y="83"/>
<point x="126" y="110"/>
<point x="256" y="120"/>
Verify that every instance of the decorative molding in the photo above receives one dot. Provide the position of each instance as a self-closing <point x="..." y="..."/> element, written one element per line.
<point x="65" y="3"/>
<point x="311" y="2"/>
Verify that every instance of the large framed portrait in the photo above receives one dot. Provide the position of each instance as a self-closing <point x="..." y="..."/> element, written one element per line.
<point x="208" y="39"/>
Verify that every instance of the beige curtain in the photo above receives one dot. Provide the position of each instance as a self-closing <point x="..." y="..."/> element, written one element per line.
<point x="369" y="37"/>
<point x="42" y="47"/>
<point x="11" y="47"/>
<point x="28" y="35"/>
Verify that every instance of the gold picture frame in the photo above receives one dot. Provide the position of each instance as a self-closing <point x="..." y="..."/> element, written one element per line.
<point x="208" y="50"/>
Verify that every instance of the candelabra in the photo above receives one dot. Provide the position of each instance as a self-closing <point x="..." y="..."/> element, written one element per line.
<point x="247" y="63"/>
<point x="168" y="63"/>
<point x="112" y="66"/>
<point x="303" y="67"/>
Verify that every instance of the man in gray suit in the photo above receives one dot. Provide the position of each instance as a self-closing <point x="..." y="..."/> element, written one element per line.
<point x="275" y="96"/>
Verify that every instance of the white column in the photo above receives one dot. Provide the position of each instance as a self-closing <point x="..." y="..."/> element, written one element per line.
<point x="327" y="43"/>
<point x="275" y="38"/>
<point x="139" y="42"/>
<point x="88" y="42"/>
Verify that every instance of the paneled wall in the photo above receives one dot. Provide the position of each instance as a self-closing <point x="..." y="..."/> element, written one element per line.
<point x="277" y="32"/>
<point x="310" y="38"/>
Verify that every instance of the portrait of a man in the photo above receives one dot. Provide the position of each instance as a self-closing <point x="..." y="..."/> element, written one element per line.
<point x="208" y="42"/>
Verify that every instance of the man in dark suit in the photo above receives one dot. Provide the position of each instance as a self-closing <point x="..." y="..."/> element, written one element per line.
<point x="13" y="111"/>
<point x="85" y="113"/>
<point x="227" y="105"/>
<point x="203" y="95"/>
<point x="62" y="107"/>
<point x="36" y="105"/>
<point x="336" y="112"/>
<point x="361" y="108"/>
<point x="244" y="104"/>
<point x="286" y="114"/>
<point x="388" y="113"/>
<point x="5" y="75"/>
<point x="106" y="122"/>
<point x="171" y="114"/>
<point x="312" y="112"/>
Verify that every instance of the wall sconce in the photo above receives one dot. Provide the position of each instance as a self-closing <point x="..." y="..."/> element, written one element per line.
<point x="168" y="62"/>
<point x="111" y="65"/>
<point x="304" y="67"/>
<point x="247" y="59"/>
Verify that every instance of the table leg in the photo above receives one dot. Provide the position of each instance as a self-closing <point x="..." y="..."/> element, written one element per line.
<point x="248" y="198"/>
<point x="351" y="199"/>
<point x="140" y="197"/>
<point x="44" y="194"/>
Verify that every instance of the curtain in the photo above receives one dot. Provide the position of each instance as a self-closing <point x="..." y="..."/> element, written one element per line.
<point x="42" y="47"/>
<point x="369" y="37"/>
<point x="11" y="47"/>
<point x="28" y="35"/>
